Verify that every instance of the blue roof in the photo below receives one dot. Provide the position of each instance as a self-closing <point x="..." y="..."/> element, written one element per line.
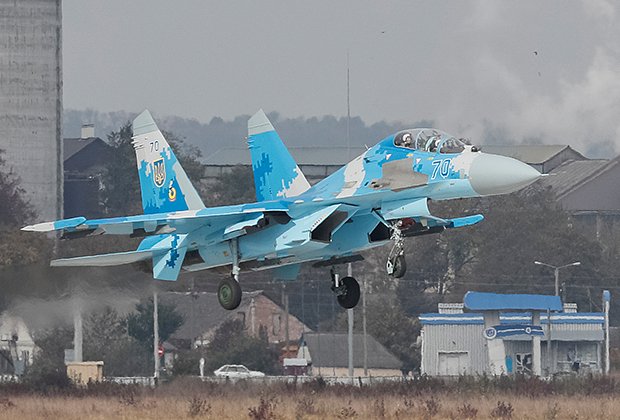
<point x="478" y="301"/>
<point x="511" y="318"/>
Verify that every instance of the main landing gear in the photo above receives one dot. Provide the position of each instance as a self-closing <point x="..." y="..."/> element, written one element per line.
<point x="347" y="290"/>
<point x="396" y="265"/>
<point x="229" y="292"/>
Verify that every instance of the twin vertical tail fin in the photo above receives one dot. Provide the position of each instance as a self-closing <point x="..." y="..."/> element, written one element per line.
<point x="164" y="184"/>
<point x="276" y="174"/>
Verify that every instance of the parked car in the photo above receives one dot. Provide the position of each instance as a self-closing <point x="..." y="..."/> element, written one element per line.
<point x="236" y="372"/>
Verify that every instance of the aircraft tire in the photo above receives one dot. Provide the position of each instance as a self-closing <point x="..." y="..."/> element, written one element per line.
<point x="351" y="296"/>
<point x="400" y="266"/>
<point x="229" y="294"/>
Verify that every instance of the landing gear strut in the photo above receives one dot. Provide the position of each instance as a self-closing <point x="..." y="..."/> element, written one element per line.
<point x="229" y="292"/>
<point x="347" y="290"/>
<point x="396" y="265"/>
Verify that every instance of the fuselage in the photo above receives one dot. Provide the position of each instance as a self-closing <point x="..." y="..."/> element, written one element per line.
<point x="433" y="165"/>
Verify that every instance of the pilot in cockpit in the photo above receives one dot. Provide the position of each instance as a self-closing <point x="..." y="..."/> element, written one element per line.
<point x="433" y="142"/>
<point x="407" y="140"/>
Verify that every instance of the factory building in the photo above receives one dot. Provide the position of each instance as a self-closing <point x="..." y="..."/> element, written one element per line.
<point x="31" y="99"/>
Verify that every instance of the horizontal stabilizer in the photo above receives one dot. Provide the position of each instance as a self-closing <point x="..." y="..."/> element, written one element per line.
<point x="103" y="260"/>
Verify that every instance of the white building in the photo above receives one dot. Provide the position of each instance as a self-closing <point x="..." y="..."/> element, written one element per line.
<point x="15" y="340"/>
<point x="453" y="342"/>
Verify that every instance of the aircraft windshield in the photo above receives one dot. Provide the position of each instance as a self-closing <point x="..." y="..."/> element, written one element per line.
<point x="428" y="140"/>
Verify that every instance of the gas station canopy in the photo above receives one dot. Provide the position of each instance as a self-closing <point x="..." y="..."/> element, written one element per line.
<point x="479" y="301"/>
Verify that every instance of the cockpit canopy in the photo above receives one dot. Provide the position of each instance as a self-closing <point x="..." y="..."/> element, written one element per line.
<point x="429" y="140"/>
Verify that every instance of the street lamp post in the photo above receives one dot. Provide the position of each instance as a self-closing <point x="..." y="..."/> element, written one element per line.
<point x="556" y="270"/>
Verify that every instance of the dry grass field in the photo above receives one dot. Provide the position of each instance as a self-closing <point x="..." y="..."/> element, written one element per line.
<point x="308" y="407"/>
<point x="185" y="399"/>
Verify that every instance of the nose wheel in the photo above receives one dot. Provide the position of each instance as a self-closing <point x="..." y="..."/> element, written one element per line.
<point x="396" y="265"/>
<point x="347" y="291"/>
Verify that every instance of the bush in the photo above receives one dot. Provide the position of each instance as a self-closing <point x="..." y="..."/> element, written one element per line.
<point x="466" y="411"/>
<point x="198" y="407"/>
<point x="265" y="409"/>
<point x="503" y="411"/>
<point x="46" y="376"/>
<point x="188" y="363"/>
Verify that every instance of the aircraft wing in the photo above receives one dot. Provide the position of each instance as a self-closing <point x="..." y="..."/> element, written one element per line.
<point x="230" y="217"/>
<point x="168" y="235"/>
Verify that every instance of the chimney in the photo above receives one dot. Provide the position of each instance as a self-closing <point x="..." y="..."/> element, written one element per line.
<point x="88" y="131"/>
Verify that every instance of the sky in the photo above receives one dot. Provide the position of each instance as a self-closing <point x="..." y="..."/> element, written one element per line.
<point x="527" y="71"/>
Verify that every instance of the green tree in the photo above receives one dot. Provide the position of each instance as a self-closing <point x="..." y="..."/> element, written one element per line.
<point x="15" y="209"/>
<point x="17" y="247"/>
<point x="106" y="339"/>
<point x="232" y="345"/>
<point x="388" y="323"/>
<point x="121" y="185"/>
<point x="234" y="187"/>
<point x="140" y="323"/>
<point x="22" y="254"/>
<point x="391" y="326"/>
<point x="48" y="370"/>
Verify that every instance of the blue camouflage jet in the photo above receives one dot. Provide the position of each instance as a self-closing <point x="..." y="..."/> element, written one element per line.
<point x="379" y="197"/>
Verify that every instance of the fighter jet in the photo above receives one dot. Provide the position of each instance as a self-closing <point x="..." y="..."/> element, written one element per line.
<point x="379" y="197"/>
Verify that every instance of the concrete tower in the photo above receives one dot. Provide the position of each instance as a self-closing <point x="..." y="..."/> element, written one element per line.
<point x="31" y="99"/>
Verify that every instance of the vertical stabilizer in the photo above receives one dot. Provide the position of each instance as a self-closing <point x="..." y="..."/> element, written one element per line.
<point x="276" y="174"/>
<point x="164" y="184"/>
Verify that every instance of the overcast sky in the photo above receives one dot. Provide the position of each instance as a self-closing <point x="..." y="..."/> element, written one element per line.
<point x="524" y="69"/>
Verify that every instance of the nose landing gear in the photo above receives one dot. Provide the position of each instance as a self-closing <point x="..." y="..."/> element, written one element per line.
<point x="347" y="290"/>
<point x="396" y="265"/>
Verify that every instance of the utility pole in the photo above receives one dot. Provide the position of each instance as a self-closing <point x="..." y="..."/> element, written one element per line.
<point x="350" y="321"/>
<point x="550" y="369"/>
<point x="318" y="323"/>
<point x="606" y="299"/>
<point x="364" y="327"/>
<point x="77" y="330"/>
<point x="556" y="275"/>
<point x="286" y="331"/>
<point x="155" y="335"/>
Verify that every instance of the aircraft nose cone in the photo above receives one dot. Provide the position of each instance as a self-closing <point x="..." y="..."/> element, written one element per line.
<point x="494" y="174"/>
